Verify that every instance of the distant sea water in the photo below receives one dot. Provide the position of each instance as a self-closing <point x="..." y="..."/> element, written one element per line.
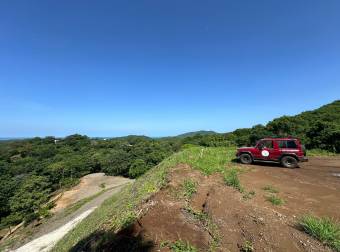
<point x="11" y="138"/>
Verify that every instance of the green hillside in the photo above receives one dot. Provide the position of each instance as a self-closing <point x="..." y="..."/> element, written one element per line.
<point x="194" y="133"/>
<point x="120" y="211"/>
<point x="33" y="170"/>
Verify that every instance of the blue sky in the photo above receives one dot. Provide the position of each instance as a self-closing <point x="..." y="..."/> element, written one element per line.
<point x="111" y="68"/>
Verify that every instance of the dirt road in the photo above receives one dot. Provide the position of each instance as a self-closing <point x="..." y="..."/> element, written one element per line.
<point x="312" y="188"/>
<point x="46" y="236"/>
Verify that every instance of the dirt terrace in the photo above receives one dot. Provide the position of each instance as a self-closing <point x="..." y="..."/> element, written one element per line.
<point x="236" y="222"/>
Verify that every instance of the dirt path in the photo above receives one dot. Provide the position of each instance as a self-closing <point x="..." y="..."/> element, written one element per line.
<point x="55" y="228"/>
<point x="313" y="188"/>
<point x="46" y="242"/>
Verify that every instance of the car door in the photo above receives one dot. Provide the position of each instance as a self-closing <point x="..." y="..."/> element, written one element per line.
<point x="275" y="152"/>
<point x="257" y="150"/>
<point x="266" y="150"/>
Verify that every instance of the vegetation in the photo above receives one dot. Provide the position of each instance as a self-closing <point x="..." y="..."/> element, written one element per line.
<point x="206" y="221"/>
<point x="181" y="246"/>
<point x="189" y="188"/>
<point x="121" y="210"/>
<point x="318" y="129"/>
<point x="320" y="152"/>
<point x="247" y="247"/>
<point x="231" y="179"/>
<point x="275" y="200"/>
<point x="270" y="188"/>
<point x="248" y="195"/>
<point x="323" y="229"/>
<point x="32" y="170"/>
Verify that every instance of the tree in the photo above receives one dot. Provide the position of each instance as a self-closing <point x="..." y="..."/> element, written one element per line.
<point x="137" y="168"/>
<point x="30" y="196"/>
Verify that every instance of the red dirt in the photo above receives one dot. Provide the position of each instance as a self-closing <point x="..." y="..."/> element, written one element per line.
<point x="309" y="189"/>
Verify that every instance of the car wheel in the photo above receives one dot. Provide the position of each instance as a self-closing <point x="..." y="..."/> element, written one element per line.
<point x="246" y="158"/>
<point x="289" y="162"/>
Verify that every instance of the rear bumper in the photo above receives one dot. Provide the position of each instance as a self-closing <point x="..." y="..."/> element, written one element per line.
<point x="303" y="159"/>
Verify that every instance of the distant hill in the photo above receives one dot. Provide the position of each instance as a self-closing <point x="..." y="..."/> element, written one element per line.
<point x="194" y="133"/>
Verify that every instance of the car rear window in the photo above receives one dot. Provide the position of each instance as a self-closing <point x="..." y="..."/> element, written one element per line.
<point x="287" y="144"/>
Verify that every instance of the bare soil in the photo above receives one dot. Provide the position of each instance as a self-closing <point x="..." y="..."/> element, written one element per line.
<point x="312" y="188"/>
<point x="89" y="185"/>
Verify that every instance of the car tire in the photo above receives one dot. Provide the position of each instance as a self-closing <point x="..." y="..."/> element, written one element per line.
<point x="289" y="162"/>
<point x="245" y="158"/>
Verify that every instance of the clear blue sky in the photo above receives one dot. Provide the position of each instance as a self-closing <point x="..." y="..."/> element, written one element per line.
<point x="111" y="68"/>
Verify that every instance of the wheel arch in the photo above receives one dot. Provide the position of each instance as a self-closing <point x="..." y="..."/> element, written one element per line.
<point x="290" y="155"/>
<point x="247" y="152"/>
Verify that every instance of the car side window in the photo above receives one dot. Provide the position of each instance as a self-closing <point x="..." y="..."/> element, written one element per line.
<point x="282" y="144"/>
<point x="291" y="144"/>
<point x="266" y="144"/>
<point x="287" y="144"/>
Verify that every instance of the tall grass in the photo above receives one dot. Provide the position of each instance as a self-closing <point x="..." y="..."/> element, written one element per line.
<point x="320" y="153"/>
<point x="323" y="229"/>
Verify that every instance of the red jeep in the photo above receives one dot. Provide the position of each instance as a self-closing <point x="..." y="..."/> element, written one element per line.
<point x="287" y="151"/>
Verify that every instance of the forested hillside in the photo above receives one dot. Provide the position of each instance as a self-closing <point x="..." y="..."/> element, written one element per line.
<point x="32" y="170"/>
<point x="318" y="128"/>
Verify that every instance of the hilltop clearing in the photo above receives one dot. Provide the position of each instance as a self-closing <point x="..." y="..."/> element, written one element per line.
<point x="88" y="186"/>
<point x="200" y="200"/>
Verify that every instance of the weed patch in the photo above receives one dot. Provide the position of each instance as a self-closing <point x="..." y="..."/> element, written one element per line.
<point x="179" y="246"/>
<point x="247" y="247"/>
<point x="189" y="188"/>
<point x="270" y="188"/>
<point x="248" y="195"/>
<point x="323" y="229"/>
<point x="275" y="200"/>
<point x="231" y="179"/>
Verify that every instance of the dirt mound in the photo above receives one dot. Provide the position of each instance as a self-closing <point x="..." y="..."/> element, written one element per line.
<point x="216" y="217"/>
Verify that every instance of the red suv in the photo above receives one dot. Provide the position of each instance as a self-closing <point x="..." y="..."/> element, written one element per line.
<point x="287" y="151"/>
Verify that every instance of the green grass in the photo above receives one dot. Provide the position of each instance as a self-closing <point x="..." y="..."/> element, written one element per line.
<point x="231" y="179"/>
<point x="247" y="247"/>
<point x="189" y="188"/>
<point x="275" y="200"/>
<point x="324" y="229"/>
<point x="181" y="246"/>
<point x="320" y="153"/>
<point x="270" y="188"/>
<point x="208" y="160"/>
<point x="120" y="210"/>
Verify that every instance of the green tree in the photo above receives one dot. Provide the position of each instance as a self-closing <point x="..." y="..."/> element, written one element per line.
<point x="137" y="168"/>
<point x="30" y="196"/>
